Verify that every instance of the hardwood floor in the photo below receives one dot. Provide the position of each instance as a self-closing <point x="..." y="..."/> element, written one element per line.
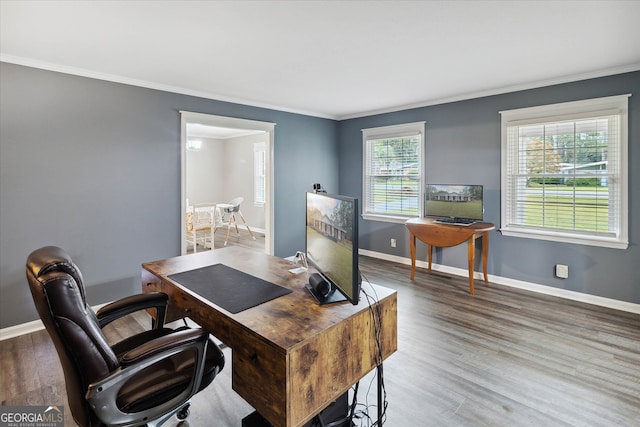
<point x="503" y="357"/>
<point x="506" y="357"/>
<point x="242" y="239"/>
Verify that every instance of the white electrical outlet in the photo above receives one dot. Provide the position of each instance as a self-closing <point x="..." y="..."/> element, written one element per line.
<point x="562" y="271"/>
<point x="393" y="243"/>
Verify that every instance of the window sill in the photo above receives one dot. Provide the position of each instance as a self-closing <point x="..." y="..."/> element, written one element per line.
<point x="387" y="218"/>
<point x="604" y="242"/>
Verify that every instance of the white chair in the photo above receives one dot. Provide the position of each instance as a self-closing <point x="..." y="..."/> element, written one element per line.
<point x="227" y="217"/>
<point x="200" y="222"/>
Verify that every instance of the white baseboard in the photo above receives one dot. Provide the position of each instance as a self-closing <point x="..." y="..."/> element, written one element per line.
<point x="28" y="327"/>
<point x="23" y="328"/>
<point x="533" y="287"/>
<point x="36" y="325"/>
<point x="253" y="229"/>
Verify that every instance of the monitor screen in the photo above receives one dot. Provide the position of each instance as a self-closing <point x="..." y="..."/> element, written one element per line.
<point x="332" y="244"/>
<point x="454" y="201"/>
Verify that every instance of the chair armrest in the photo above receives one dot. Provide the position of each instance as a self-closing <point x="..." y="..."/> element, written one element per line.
<point x="178" y="339"/>
<point x="102" y="394"/>
<point x="133" y="303"/>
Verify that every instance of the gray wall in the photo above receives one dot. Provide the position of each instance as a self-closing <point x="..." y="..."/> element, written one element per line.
<point x="239" y="172"/>
<point x="463" y="146"/>
<point x="94" y="167"/>
<point x="222" y="170"/>
<point x="205" y="172"/>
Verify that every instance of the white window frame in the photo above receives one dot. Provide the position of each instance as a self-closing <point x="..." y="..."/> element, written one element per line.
<point x="618" y="194"/>
<point x="259" y="173"/>
<point x="393" y="131"/>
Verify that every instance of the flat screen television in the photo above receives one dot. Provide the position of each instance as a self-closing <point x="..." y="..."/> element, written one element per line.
<point x="456" y="203"/>
<point x="331" y="247"/>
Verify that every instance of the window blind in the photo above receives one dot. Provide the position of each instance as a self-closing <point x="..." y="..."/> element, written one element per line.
<point x="393" y="175"/>
<point x="563" y="175"/>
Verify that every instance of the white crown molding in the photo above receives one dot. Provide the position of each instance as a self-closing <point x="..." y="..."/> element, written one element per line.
<point x="533" y="287"/>
<point x="498" y="91"/>
<point x="28" y="62"/>
<point x="34" y="63"/>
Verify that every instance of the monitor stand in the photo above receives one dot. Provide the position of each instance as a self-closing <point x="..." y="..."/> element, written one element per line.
<point x="317" y="284"/>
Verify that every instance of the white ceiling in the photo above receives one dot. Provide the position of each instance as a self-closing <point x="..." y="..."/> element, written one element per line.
<point x="335" y="59"/>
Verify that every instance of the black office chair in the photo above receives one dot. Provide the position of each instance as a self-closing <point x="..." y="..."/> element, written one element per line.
<point x="142" y="380"/>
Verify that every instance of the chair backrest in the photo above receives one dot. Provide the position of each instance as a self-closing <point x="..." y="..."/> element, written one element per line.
<point x="58" y="292"/>
<point x="235" y="203"/>
<point x="200" y="217"/>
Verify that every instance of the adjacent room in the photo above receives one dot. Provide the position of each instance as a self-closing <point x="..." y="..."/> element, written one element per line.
<point x="320" y="213"/>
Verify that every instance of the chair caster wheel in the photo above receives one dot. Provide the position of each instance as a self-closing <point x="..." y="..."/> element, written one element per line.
<point x="183" y="413"/>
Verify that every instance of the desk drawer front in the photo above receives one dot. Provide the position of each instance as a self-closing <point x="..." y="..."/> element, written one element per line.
<point x="259" y="376"/>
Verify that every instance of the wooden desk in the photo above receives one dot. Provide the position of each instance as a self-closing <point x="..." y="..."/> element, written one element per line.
<point x="290" y="357"/>
<point x="447" y="235"/>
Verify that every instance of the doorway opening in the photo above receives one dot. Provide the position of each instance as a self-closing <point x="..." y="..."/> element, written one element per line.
<point x="226" y="166"/>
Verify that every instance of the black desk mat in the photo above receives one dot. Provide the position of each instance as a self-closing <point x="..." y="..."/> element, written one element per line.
<point x="229" y="288"/>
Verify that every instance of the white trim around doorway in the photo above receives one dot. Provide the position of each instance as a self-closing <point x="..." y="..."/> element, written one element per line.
<point x="233" y="123"/>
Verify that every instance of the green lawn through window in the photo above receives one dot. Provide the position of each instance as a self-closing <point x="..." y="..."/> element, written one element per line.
<point x="562" y="211"/>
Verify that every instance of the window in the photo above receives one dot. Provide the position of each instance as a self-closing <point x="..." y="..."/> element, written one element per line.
<point x="259" y="174"/>
<point x="564" y="172"/>
<point x="393" y="164"/>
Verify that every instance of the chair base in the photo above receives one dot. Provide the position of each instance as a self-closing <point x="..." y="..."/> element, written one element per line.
<point x="181" y="413"/>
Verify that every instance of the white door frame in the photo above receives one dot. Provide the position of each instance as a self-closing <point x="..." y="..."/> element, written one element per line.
<point x="233" y="123"/>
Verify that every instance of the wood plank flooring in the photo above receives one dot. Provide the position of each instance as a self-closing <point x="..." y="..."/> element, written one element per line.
<point x="503" y="357"/>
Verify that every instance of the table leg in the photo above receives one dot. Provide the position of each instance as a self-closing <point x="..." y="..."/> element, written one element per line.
<point x="412" y="247"/>
<point x="485" y="255"/>
<point x="429" y="254"/>
<point x="471" y="254"/>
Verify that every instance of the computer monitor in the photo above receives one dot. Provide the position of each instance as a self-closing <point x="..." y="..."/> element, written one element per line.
<point x="454" y="201"/>
<point x="332" y="247"/>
